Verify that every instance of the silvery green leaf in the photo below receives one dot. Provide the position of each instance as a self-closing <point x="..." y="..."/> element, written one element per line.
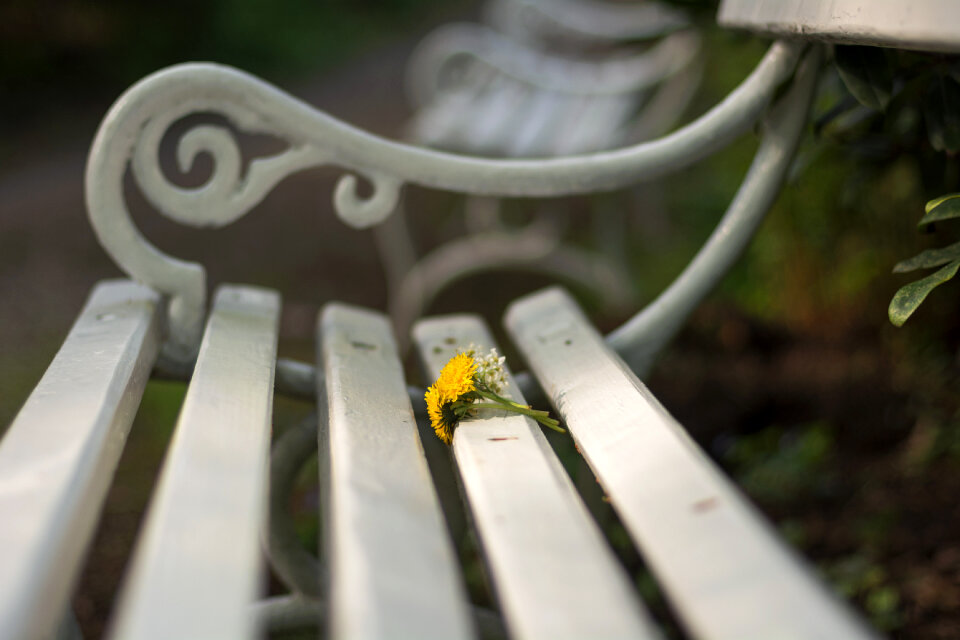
<point x="929" y="259"/>
<point x="908" y="298"/>
<point x="942" y="208"/>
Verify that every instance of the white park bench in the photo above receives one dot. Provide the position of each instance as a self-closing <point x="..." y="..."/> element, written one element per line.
<point x="537" y="80"/>
<point x="387" y="567"/>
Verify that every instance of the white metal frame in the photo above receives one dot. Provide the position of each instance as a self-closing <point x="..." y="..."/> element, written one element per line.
<point x="531" y="89"/>
<point x="131" y="132"/>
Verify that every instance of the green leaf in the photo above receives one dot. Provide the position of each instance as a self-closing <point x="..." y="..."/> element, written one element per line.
<point x="941" y="110"/>
<point x="936" y="202"/>
<point x="943" y="208"/>
<point x="867" y="74"/>
<point x="929" y="259"/>
<point x="908" y="298"/>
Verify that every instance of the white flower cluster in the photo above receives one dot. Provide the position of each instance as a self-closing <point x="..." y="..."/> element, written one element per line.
<point x="490" y="371"/>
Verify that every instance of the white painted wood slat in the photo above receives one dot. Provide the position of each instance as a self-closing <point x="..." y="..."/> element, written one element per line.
<point x="918" y="24"/>
<point x="441" y="122"/>
<point x="59" y="454"/>
<point x="554" y="575"/>
<point x="490" y="122"/>
<point x="536" y="126"/>
<point x="393" y="569"/>
<point x="197" y="565"/>
<point x="723" y="568"/>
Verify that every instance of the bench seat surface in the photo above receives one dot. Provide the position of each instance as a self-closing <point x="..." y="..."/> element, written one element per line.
<point x="197" y="566"/>
<point x="394" y="572"/>
<point x="58" y="456"/>
<point x="553" y="572"/>
<point x="722" y="567"/>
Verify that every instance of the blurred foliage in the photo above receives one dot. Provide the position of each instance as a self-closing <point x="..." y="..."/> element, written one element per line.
<point x="885" y="135"/>
<point x="905" y="101"/>
<point x="54" y="51"/>
<point x="780" y="466"/>
<point x="813" y="266"/>
<point x="936" y="437"/>
<point x="783" y="469"/>
<point x="857" y="577"/>
<point x="865" y="72"/>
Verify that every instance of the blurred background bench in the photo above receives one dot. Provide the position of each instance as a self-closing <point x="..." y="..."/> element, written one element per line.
<point x="538" y="81"/>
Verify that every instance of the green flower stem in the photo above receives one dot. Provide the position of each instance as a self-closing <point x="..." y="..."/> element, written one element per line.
<point x="543" y="417"/>
<point x="540" y="416"/>
<point x="490" y="395"/>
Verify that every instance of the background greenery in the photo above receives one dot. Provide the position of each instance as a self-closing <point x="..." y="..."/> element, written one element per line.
<point x="55" y="52"/>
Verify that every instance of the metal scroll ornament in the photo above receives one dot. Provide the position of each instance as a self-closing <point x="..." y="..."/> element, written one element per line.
<point x="131" y="133"/>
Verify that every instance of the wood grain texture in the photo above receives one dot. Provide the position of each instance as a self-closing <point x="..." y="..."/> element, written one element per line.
<point x="552" y="571"/>
<point x="59" y="454"/>
<point x="722" y="567"/>
<point x="393" y="568"/>
<point x="197" y="565"/>
<point x="926" y="25"/>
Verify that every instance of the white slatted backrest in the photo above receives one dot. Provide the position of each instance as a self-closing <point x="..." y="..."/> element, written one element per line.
<point x="197" y="566"/>
<point x="59" y="455"/>
<point x="393" y="569"/>
<point x="554" y="574"/>
<point x="723" y="569"/>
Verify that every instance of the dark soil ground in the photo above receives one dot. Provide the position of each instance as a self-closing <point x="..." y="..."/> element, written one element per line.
<point x="864" y="484"/>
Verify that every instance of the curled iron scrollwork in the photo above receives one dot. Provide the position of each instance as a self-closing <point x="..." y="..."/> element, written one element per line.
<point x="132" y="131"/>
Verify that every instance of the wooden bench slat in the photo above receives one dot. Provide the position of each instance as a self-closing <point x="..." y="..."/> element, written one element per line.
<point x="921" y="24"/>
<point x="488" y="126"/>
<point x="601" y="126"/>
<point x="59" y="454"/>
<point x="548" y="562"/>
<point x="537" y="123"/>
<point x="197" y="565"/>
<point x="721" y="565"/>
<point x="438" y="124"/>
<point x="393" y="568"/>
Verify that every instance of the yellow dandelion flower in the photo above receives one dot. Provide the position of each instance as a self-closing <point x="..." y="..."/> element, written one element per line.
<point x="455" y="381"/>
<point x="456" y="377"/>
<point x="440" y="420"/>
<point x="467" y="384"/>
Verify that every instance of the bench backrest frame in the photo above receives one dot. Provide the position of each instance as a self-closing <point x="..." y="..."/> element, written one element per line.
<point x="133" y="128"/>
